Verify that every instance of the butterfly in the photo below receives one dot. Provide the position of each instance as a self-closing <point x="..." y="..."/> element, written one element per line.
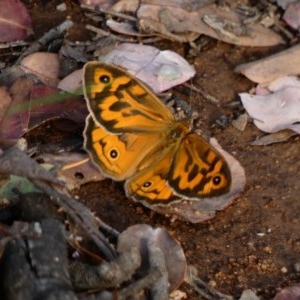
<point x="132" y="136"/>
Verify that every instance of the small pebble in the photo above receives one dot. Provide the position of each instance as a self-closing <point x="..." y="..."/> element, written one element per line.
<point x="297" y="266"/>
<point x="178" y="295"/>
<point x="61" y="7"/>
<point x="241" y="122"/>
<point x="212" y="283"/>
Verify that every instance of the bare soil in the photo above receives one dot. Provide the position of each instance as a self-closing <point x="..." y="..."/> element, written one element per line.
<point x="253" y="244"/>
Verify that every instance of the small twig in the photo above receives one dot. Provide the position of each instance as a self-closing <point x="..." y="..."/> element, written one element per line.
<point x="139" y="285"/>
<point x="108" y="229"/>
<point x="46" y="38"/>
<point x="233" y="104"/>
<point x="109" y="11"/>
<point x="208" y="97"/>
<point x="160" y="289"/>
<point x="14" y="161"/>
<point x="80" y="215"/>
<point x="75" y="164"/>
<point x="152" y="40"/>
<point x="13" y="44"/>
<point x="202" y="288"/>
<point x="107" y="274"/>
<point x="100" y="33"/>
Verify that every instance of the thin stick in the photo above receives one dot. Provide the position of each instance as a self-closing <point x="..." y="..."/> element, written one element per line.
<point x="46" y="38"/>
<point x="109" y="11"/>
<point x="211" y="98"/>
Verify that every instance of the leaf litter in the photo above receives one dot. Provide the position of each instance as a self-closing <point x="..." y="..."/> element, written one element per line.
<point x="15" y="21"/>
<point x="154" y="19"/>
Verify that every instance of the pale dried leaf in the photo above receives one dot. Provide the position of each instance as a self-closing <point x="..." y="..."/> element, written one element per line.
<point x="73" y="168"/>
<point x="276" y="111"/>
<point x="161" y="70"/>
<point x="292" y="15"/>
<point x="284" y="63"/>
<point x="71" y="83"/>
<point x="15" y="22"/>
<point x="289" y="293"/>
<point x="272" y="138"/>
<point x="241" y="122"/>
<point x="248" y="295"/>
<point x="102" y="3"/>
<point x="44" y="65"/>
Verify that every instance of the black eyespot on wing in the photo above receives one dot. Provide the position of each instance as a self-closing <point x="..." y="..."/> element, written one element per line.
<point x="147" y="184"/>
<point x="217" y="180"/>
<point x="113" y="153"/>
<point x="104" y="79"/>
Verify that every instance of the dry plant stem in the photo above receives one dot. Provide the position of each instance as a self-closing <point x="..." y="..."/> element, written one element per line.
<point x="233" y="104"/>
<point x="208" y="97"/>
<point x="157" y="279"/>
<point x="152" y="40"/>
<point x="288" y="34"/>
<point x="139" y="285"/>
<point x="108" y="229"/>
<point x="107" y="274"/>
<point x="46" y="38"/>
<point x="80" y="215"/>
<point x="160" y="288"/>
<point x="14" y="161"/>
<point x="98" y="31"/>
<point x="109" y="12"/>
<point x="13" y="44"/>
<point x="158" y="29"/>
<point x="202" y="288"/>
<point x="210" y="293"/>
<point x="101" y="33"/>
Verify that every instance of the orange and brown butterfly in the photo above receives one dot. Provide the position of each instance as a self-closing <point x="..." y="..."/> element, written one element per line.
<point x="132" y="136"/>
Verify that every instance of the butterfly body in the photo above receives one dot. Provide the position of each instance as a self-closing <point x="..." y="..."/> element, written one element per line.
<point x="131" y="135"/>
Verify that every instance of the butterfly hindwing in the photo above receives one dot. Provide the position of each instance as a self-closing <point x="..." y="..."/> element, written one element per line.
<point x="151" y="184"/>
<point x="118" y="156"/>
<point x="198" y="170"/>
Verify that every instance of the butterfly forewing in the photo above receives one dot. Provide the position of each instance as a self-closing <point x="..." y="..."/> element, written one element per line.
<point x="198" y="170"/>
<point x="122" y="103"/>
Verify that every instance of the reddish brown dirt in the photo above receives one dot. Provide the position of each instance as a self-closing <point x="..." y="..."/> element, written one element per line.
<point x="253" y="244"/>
